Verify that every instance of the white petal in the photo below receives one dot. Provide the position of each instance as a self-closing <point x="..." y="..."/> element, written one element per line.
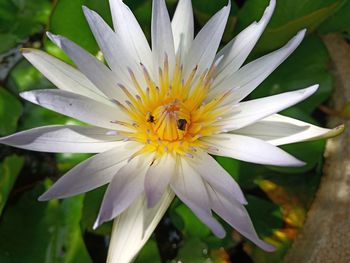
<point x="124" y="188"/>
<point x="206" y="43"/>
<point x="236" y="215"/>
<point x="62" y="75"/>
<point x="64" y="139"/>
<point x="248" y="112"/>
<point x="251" y="75"/>
<point x="117" y="55"/>
<point x="162" y="36"/>
<point x="92" y="173"/>
<point x="237" y="50"/>
<point x="134" y="226"/>
<point x="280" y="130"/>
<point x="158" y="177"/>
<point x="190" y="188"/>
<point x="76" y="106"/>
<point x="99" y="74"/>
<point x="249" y="149"/>
<point x="217" y="177"/>
<point x="183" y="26"/>
<point x="130" y="33"/>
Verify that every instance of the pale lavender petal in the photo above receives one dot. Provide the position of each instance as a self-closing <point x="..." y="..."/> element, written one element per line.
<point x="134" y="226"/>
<point x="237" y="50"/>
<point x="279" y="130"/>
<point x="62" y="75"/>
<point x="251" y="75"/>
<point x="64" y="139"/>
<point x="236" y="215"/>
<point x="217" y="177"/>
<point x="158" y="177"/>
<point x="117" y="55"/>
<point x="249" y="149"/>
<point x="190" y="188"/>
<point x="183" y="27"/>
<point x="125" y="187"/>
<point x="91" y="173"/>
<point x="130" y="33"/>
<point x="162" y="36"/>
<point x="77" y="107"/>
<point x="206" y="43"/>
<point x="99" y="74"/>
<point x="249" y="112"/>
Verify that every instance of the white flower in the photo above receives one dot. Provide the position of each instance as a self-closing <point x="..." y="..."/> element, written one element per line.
<point x="157" y="114"/>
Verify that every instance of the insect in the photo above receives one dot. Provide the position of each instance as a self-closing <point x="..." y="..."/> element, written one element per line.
<point x="181" y="124"/>
<point x="151" y="119"/>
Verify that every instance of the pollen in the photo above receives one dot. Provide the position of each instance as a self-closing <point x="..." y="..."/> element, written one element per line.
<point x="172" y="114"/>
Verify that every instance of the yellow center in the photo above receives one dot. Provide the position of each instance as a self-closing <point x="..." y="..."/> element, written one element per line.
<point x="174" y="115"/>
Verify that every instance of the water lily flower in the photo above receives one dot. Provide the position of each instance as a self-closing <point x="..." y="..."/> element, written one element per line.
<point x="157" y="115"/>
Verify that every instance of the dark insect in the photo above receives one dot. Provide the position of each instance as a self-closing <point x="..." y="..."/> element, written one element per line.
<point x="181" y="124"/>
<point x="150" y="119"/>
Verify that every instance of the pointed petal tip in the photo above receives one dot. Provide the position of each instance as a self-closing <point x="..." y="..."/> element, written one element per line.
<point x="49" y="194"/>
<point x="336" y="131"/>
<point x="49" y="34"/>
<point x="56" y="39"/>
<point x="243" y="201"/>
<point x="43" y="198"/>
<point x="28" y="95"/>
<point x="272" y="3"/>
<point x="313" y="88"/>
<point x="299" y="163"/>
<point x="301" y="34"/>
<point x="87" y="11"/>
<point x="292" y="162"/>
<point x="97" y="223"/>
<point x="296" y="163"/>
<point x="331" y="133"/>
<point x="306" y="92"/>
<point x="303" y="31"/>
<point x="221" y="234"/>
<point x="265" y="246"/>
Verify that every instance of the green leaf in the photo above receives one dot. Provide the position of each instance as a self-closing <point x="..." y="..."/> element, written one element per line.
<point x="66" y="161"/>
<point x="68" y="20"/>
<point x="230" y="165"/>
<point x="42" y="231"/>
<point x="10" y="111"/>
<point x="305" y="67"/>
<point x="289" y="17"/>
<point x="309" y="152"/>
<point x="9" y="170"/>
<point x="193" y="250"/>
<point x="24" y="77"/>
<point x="92" y="203"/>
<point x="8" y="41"/>
<point x="20" y="19"/>
<point x="338" y="22"/>
<point x="149" y="253"/>
<point x="265" y="215"/>
<point x="205" y="9"/>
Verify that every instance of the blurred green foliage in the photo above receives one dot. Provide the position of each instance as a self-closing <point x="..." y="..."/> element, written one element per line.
<point x="61" y="231"/>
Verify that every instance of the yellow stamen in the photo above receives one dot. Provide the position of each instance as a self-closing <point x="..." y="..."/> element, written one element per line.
<point x="173" y="115"/>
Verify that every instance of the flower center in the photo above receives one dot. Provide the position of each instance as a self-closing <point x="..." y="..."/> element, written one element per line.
<point x="170" y="121"/>
<point x="174" y="114"/>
